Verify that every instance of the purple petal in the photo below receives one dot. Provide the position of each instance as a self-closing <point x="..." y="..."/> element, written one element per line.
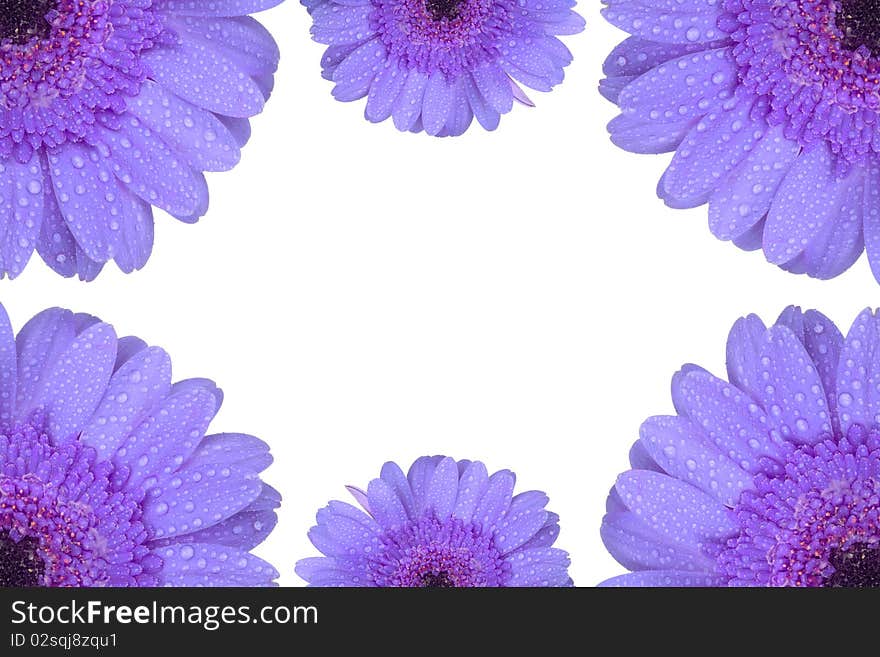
<point x="547" y="535"/>
<point x="152" y="171"/>
<point x="204" y="564"/>
<point x="656" y="22"/>
<point x="538" y="567"/>
<point x="640" y="458"/>
<point x="392" y="475"/>
<point x="39" y="345"/>
<point x="437" y="103"/>
<point x="199" y="136"/>
<point x="793" y="395"/>
<point x="675" y="510"/>
<point x="871" y="213"/>
<point x="648" y="137"/>
<point x="201" y="75"/>
<point x="133" y="391"/>
<point x="637" y="547"/>
<point x="683" y="89"/>
<point x="493" y="86"/>
<point x="344" y="531"/>
<point x="8" y="368"/>
<point x="419" y="476"/>
<point x="126" y="348"/>
<point x="243" y="39"/>
<point x="385" y="90"/>
<point x="385" y="505"/>
<point x="88" y="197"/>
<point x="858" y="374"/>
<point x="442" y="489"/>
<point x="486" y="115"/>
<point x="665" y="578"/>
<point x="242" y="451"/>
<point x="823" y="342"/>
<point x="496" y="500"/>
<point x="680" y="449"/>
<point x="712" y="149"/>
<point x="635" y="56"/>
<point x="244" y="530"/>
<point x="736" y="425"/>
<point x="472" y="487"/>
<point x="74" y="386"/>
<point x="408" y="105"/>
<point x="214" y="7"/>
<point x="525" y="518"/>
<point x="21" y="212"/>
<point x="831" y="241"/>
<point x="356" y="73"/>
<point x="169" y="435"/>
<point x="744" y="198"/>
<point x="198" y="496"/>
<point x="744" y="344"/>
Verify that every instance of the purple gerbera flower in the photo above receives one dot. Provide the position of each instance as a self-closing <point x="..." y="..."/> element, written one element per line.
<point x="106" y="475"/>
<point x="110" y="107"/>
<point x="773" y="110"/>
<point x="444" y="524"/>
<point x="434" y="65"/>
<point x="772" y="479"/>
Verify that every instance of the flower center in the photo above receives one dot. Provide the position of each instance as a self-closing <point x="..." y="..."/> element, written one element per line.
<point x="816" y="525"/>
<point x="858" y="566"/>
<point x="20" y="565"/>
<point x="859" y="20"/>
<point x="22" y="20"/>
<point x="434" y="553"/>
<point x="440" y="9"/>
<point x="438" y="580"/>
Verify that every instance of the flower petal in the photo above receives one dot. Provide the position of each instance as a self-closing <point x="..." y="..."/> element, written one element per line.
<point x="858" y="374"/>
<point x="74" y="386"/>
<point x="206" y="564"/>
<point x="665" y="578"/>
<point x="677" y="511"/>
<point x="792" y="395"/>
<point x="21" y="212"/>
<point x="736" y="425"/>
<point x="830" y="240"/>
<point x="385" y="505"/>
<point x="472" y="487"/>
<point x="637" y="547"/>
<point x="134" y="390"/>
<point x="442" y="488"/>
<point x="167" y="438"/>
<point x="681" y="450"/>
<point x="8" y="368"/>
<point x="199" y="136"/>
<point x="538" y="567"/>
<point x="214" y="7"/>
<point x="496" y="500"/>
<point x="205" y="77"/>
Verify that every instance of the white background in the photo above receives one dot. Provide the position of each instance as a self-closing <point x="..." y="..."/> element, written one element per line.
<point x="361" y="295"/>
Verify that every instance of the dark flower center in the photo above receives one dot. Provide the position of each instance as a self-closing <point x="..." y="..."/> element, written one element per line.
<point x="438" y="580"/>
<point x="22" y="20"/>
<point x="440" y="9"/>
<point x="859" y="20"/>
<point x="856" y="567"/>
<point x="20" y="565"/>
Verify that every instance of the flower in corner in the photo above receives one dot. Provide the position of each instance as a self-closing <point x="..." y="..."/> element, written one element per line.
<point x="111" y="107"/>
<point x="444" y="524"/>
<point x="434" y="65"/>
<point x="770" y="479"/>
<point x="773" y="111"/>
<point x="106" y="475"/>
